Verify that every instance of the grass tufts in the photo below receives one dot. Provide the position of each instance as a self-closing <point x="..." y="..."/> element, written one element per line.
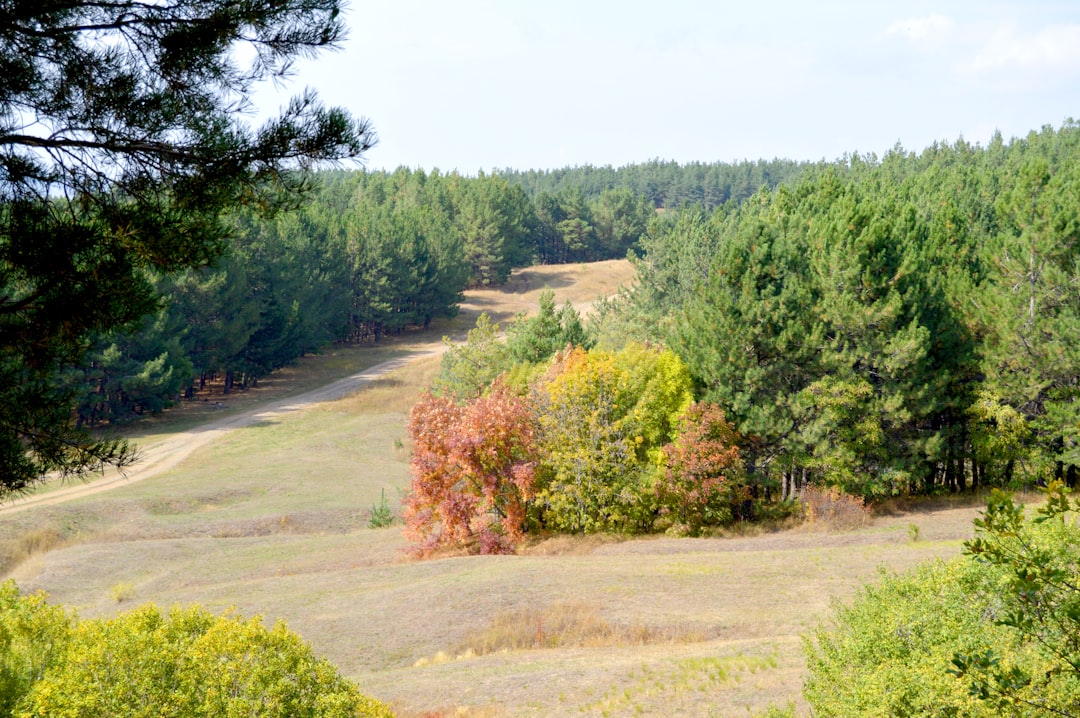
<point x="565" y="624"/>
<point x="123" y="591"/>
<point x="36" y="542"/>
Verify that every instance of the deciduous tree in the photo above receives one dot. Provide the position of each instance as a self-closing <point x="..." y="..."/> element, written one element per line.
<point x="474" y="472"/>
<point x="703" y="482"/>
<point x="604" y="418"/>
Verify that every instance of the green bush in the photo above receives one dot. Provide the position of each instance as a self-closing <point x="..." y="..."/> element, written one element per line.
<point x="984" y="635"/>
<point x="33" y="636"/>
<point x="889" y="652"/>
<point x="189" y="664"/>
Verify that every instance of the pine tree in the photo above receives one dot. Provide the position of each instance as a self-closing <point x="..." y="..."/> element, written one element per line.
<point x="121" y="143"/>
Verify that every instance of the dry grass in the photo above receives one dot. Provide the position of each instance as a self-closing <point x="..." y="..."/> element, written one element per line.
<point x="579" y="284"/>
<point x="567" y="545"/>
<point x="22" y="547"/>
<point x="566" y="624"/>
<point x="394" y="394"/>
<point x="456" y="712"/>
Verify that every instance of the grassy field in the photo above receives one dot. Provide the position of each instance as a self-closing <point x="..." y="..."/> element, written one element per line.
<point x="273" y="519"/>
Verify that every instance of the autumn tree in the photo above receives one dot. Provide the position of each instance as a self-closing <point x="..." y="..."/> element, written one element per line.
<point x="703" y="482"/>
<point x="474" y="472"/>
<point x="122" y="141"/>
<point x="604" y="419"/>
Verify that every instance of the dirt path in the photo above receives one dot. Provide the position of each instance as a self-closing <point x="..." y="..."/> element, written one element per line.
<point x="578" y="283"/>
<point x="157" y="458"/>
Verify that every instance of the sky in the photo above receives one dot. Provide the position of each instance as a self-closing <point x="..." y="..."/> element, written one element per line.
<point x="471" y="85"/>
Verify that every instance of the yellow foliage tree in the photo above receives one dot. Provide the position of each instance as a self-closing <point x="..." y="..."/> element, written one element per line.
<point x="604" y="419"/>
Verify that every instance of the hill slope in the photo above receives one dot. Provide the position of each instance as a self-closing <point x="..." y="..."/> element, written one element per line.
<point x="272" y="518"/>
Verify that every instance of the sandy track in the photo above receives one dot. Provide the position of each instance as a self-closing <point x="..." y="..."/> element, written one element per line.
<point x="157" y="458"/>
<point x="520" y="294"/>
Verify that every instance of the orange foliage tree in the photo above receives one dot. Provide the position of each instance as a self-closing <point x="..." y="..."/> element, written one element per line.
<point x="704" y="474"/>
<point x="474" y="472"/>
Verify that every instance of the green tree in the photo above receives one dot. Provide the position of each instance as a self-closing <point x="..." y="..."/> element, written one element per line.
<point x="535" y="339"/>
<point x="620" y="220"/>
<point x="127" y="375"/>
<point x="468" y="369"/>
<point x="121" y="143"/>
<point x="493" y="219"/>
<point x="748" y="333"/>
<point x="1031" y="311"/>
<point x="575" y="229"/>
<point x="220" y="312"/>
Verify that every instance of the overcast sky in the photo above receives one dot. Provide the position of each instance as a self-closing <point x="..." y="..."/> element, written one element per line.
<point x="537" y="84"/>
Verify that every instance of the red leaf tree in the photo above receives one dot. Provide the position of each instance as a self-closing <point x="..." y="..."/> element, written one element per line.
<point x="474" y="472"/>
<point x="704" y="476"/>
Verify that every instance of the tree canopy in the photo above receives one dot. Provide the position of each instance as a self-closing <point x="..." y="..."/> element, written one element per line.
<point x="883" y="325"/>
<point x="122" y="142"/>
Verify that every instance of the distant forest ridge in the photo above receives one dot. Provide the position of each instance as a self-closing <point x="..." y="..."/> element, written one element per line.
<point x="666" y="183"/>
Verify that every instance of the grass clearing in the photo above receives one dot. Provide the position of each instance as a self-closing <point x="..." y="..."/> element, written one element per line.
<point x="273" y="519"/>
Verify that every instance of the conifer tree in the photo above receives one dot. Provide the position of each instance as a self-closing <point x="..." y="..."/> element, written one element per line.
<point x="121" y="143"/>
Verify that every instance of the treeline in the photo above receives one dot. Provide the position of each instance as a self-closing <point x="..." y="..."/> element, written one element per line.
<point x="665" y="183"/>
<point x="372" y="253"/>
<point x="908" y="324"/>
<point x="368" y="254"/>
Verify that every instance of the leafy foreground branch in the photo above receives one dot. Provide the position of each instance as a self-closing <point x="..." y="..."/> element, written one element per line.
<point x="995" y="633"/>
<point x="186" y="663"/>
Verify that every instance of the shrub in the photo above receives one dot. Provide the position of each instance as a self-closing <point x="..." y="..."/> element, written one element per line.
<point x="33" y="637"/>
<point x="191" y="664"/>
<point x="995" y="633"/>
<point x="833" y="508"/>
<point x="890" y="651"/>
<point x="123" y="591"/>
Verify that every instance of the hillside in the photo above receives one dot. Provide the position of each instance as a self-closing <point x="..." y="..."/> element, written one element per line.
<point x="268" y="512"/>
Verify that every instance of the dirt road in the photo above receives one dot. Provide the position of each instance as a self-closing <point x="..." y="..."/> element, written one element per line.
<point x="160" y="457"/>
<point x="579" y="284"/>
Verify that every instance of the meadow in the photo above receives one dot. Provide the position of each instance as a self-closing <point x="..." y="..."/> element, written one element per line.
<point x="271" y="517"/>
